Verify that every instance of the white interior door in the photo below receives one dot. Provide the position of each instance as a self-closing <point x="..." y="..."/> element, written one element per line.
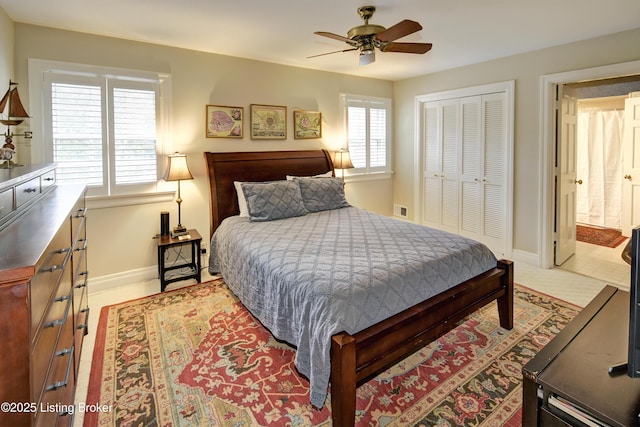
<point x="440" y="186"/>
<point x="631" y="147"/>
<point x="566" y="149"/>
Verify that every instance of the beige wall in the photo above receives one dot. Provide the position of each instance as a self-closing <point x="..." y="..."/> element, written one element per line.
<point x="526" y="70"/>
<point x="6" y="51"/>
<point x="121" y="238"/>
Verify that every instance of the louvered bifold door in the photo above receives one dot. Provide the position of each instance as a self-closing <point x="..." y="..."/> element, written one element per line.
<point x="441" y="160"/>
<point x="431" y="185"/>
<point x="471" y="171"/>
<point x="494" y="162"/>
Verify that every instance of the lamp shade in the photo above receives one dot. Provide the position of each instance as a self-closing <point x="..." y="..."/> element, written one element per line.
<point x="177" y="168"/>
<point x="341" y="160"/>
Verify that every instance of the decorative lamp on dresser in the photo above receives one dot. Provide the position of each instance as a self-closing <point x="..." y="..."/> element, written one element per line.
<point x="43" y="296"/>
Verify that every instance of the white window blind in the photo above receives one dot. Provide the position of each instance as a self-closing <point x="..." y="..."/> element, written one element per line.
<point x="134" y="124"/>
<point x="368" y="133"/>
<point x="76" y="114"/>
<point x="103" y="131"/>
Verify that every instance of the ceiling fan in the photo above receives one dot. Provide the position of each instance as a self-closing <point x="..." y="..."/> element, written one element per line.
<point x="366" y="38"/>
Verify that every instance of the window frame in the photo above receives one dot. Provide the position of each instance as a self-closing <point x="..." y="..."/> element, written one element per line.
<point x="369" y="172"/>
<point x="43" y="72"/>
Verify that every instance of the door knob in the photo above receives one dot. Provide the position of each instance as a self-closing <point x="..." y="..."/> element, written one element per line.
<point x="627" y="177"/>
<point x="579" y="181"/>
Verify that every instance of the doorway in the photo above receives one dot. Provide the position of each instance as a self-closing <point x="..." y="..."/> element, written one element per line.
<point x="606" y="81"/>
<point x="599" y="174"/>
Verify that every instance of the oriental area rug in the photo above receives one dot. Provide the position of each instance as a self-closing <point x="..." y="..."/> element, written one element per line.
<point x="196" y="357"/>
<point x="607" y="237"/>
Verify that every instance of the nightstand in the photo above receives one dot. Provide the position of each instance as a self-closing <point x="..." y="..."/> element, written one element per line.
<point x="184" y="265"/>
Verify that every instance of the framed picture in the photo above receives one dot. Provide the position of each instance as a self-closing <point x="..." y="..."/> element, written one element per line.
<point x="307" y="124"/>
<point x="268" y="122"/>
<point x="224" y="122"/>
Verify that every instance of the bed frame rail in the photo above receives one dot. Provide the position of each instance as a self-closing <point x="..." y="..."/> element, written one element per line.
<point x="357" y="358"/>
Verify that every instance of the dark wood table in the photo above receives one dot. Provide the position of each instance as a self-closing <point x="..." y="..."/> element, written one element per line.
<point x="183" y="268"/>
<point x="573" y="368"/>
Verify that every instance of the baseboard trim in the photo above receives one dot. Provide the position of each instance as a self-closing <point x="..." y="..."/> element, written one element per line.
<point x="110" y="281"/>
<point x="528" y="257"/>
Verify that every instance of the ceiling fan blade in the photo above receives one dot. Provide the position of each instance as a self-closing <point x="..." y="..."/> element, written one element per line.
<point x="407" y="47"/>
<point x="401" y="29"/>
<point x="367" y="58"/>
<point x="331" y="53"/>
<point x="337" y="37"/>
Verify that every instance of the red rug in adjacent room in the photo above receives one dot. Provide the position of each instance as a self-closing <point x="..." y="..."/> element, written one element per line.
<point x="195" y="356"/>
<point x="607" y="237"/>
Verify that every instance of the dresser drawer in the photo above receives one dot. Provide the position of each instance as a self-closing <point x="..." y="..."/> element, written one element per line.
<point x="27" y="191"/>
<point x="50" y="273"/>
<point x="81" y="325"/>
<point x="59" y="318"/>
<point x="42" y="286"/>
<point x="6" y="203"/>
<point x="47" y="179"/>
<point x="54" y="396"/>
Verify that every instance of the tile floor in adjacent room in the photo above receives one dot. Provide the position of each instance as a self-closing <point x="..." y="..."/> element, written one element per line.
<point x="563" y="283"/>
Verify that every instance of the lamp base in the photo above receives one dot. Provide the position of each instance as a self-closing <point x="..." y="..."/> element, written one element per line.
<point x="179" y="231"/>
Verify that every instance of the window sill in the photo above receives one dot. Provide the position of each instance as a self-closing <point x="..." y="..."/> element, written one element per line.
<point x="361" y="177"/>
<point x="101" y="202"/>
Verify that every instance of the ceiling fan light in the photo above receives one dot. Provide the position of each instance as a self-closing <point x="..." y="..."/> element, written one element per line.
<point x="367" y="49"/>
<point x="367" y="58"/>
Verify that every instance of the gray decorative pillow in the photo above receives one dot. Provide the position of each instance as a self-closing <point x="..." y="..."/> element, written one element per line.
<point x="322" y="194"/>
<point x="273" y="200"/>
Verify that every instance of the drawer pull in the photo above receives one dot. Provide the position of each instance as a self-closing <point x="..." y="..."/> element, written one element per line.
<point x="59" y="322"/>
<point x="63" y="352"/>
<point x="56" y="322"/>
<point x="60" y="384"/>
<point x="85" y="325"/>
<point x="30" y="190"/>
<point x="84" y="246"/>
<point x="81" y="213"/>
<point x="49" y="178"/>
<point x="64" y="263"/>
<point x="62" y="298"/>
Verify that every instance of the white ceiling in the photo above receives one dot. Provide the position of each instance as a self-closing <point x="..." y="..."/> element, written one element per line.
<point x="462" y="31"/>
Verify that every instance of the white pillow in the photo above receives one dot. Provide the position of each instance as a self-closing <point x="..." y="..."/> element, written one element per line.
<point x="322" y="175"/>
<point x="242" y="201"/>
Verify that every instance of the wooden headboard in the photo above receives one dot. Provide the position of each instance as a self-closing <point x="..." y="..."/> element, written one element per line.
<point x="225" y="168"/>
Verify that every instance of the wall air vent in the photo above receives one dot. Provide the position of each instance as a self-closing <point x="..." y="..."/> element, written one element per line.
<point x="400" y="211"/>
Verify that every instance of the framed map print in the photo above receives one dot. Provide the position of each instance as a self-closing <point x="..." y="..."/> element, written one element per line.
<point x="307" y="124"/>
<point x="224" y="122"/>
<point x="268" y="122"/>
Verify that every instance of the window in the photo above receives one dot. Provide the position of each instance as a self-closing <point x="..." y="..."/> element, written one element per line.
<point x="368" y="124"/>
<point x="104" y="128"/>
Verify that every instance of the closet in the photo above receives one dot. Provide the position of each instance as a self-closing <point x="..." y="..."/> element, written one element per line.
<point x="466" y="144"/>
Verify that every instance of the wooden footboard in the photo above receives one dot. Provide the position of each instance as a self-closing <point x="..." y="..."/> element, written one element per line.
<point x="357" y="358"/>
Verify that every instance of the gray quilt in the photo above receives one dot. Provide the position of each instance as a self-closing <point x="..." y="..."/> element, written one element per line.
<point x="310" y="277"/>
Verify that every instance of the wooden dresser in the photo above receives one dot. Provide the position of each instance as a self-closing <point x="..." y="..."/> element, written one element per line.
<point x="43" y="297"/>
<point x="568" y="383"/>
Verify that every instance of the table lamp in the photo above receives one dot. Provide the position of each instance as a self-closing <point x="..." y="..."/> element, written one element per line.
<point x="178" y="170"/>
<point x="342" y="160"/>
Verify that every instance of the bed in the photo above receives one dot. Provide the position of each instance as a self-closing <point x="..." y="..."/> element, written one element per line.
<point x="354" y="353"/>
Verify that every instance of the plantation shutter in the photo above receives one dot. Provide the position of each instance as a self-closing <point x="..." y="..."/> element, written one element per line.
<point x="357" y="131"/>
<point x="368" y="131"/>
<point x="134" y="123"/>
<point x="77" y="131"/>
<point x="104" y="132"/>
